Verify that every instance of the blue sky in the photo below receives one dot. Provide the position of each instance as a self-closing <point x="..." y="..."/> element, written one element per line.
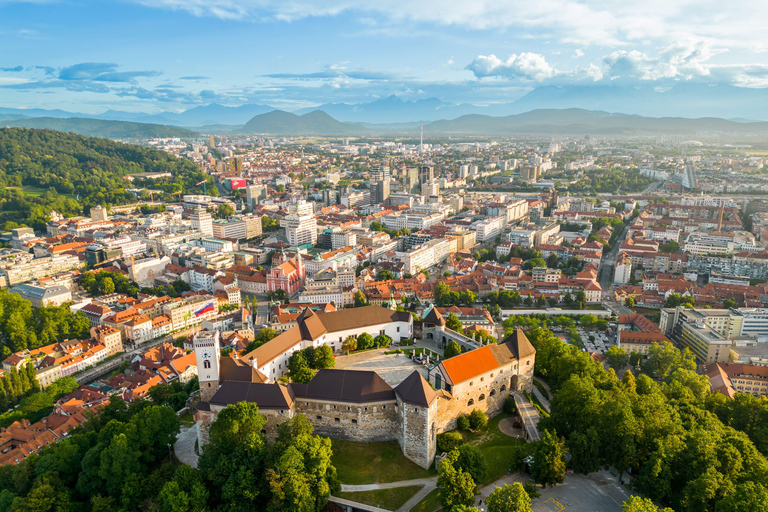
<point x="155" y="55"/>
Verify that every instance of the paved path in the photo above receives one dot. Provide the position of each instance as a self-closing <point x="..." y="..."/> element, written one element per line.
<point x="529" y="415"/>
<point x="185" y="446"/>
<point x="508" y="479"/>
<point x="430" y="484"/>
<point x="542" y="399"/>
<point x="390" y="485"/>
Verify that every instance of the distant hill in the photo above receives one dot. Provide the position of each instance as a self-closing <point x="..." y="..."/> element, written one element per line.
<point x="579" y="121"/>
<point x="101" y="128"/>
<point x="279" y="122"/>
<point x="393" y="110"/>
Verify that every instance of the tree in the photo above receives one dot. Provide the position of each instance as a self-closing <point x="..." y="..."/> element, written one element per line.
<point x="360" y="299"/>
<point x="749" y="496"/>
<point x="299" y="370"/>
<point x="638" y="504"/>
<point x="468" y="297"/>
<point x="349" y="345"/>
<point x="477" y="420"/>
<point x="528" y="300"/>
<point x="585" y="448"/>
<point x="510" y="498"/>
<point x="453" y="323"/>
<point x="455" y="485"/>
<point x="472" y="460"/>
<point x="452" y="349"/>
<point x="617" y="357"/>
<point x="365" y="341"/>
<point x="581" y="299"/>
<point x="548" y="466"/>
<point x="442" y="294"/>
<point x="541" y="301"/>
<point x="224" y="211"/>
<point x="670" y="246"/>
<point x="107" y="286"/>
<point x="382" y="341"/>
<point x="448" y="441"/>
<point x="552" y="301"/>
<point x="729" y="304"/>
<point x="629" y="302"/>
<point x="553" y="261"/>
<point x="324" y="357"/>
<point x="385" y="275"/>
<point x="673" y="300"/>
<point x="661" y="356"/>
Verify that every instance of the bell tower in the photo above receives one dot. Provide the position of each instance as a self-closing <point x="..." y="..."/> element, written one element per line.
<point x="207" y="353"/>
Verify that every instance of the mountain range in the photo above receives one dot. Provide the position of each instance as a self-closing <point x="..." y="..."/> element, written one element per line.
<point x="540" y="122"/>
<point x="100" y="128"/>
<point x="683" y="100"/>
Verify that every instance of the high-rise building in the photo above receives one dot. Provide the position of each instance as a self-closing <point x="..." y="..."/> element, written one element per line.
<point x="380" y="172"/>
<point x="530" y="173"/>
<point x="254" y="194"/>
<point x="212" y="142"/>
<point x="202" y="222"/>
<point x="412" y="180"/>
<point x="380" y="190"/>
<point x="300" y="225"/>
<point x="426" y="173"/>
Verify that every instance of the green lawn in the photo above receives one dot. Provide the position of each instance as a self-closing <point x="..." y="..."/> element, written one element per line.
<point x="34" y="191"/>
<point x="187" y="419"/>
<point x="430" y="503"/>
<point x="542" y="389"/>
<point x="388" y="499"/>
<point x="370" y="463"/>
<point x="497" y="447"/>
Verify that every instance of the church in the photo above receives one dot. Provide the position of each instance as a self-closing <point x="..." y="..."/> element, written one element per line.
<point x="359" y="405"/>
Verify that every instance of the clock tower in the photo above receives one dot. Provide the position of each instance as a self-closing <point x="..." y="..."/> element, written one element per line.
<point x="207" y="351"/>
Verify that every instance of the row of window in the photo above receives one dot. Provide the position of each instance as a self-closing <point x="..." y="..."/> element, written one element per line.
<point x="482" y="395"/>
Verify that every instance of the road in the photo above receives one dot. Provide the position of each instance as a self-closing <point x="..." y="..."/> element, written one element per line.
<point x="609" y="263"/>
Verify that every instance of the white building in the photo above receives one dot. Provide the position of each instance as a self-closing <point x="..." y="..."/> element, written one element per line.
<point x="300" y="225"/>
<point x="488" y="229"/>
<point x="202" y="222"/>
<point x="623" y="271"/>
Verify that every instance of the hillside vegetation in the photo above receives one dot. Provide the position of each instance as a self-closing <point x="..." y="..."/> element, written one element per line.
<point x="102" y="128"/>
<point x="73" y="173"/>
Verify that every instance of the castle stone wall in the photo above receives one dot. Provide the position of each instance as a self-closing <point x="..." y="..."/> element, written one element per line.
<point x="376" y="421"/>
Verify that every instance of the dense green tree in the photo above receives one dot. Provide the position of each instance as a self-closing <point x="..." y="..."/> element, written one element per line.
<point x="616" y="357"/>
<point x="548" y="467"/>
<point x="442" y="294"/>
<point x="638" y="504"/>
<point x="299" y="370"/>
<point x="455" y="485"/>
<point x="472" y="460"/>
<point x="365" y="341"/>
<point x="453" y="323"/>
<point x="510" y="498"/>
<point x="452" y="349"/>
<point x="585" y="449"/>
<point x="384" y="275"/>
<point x="382" y="341"/>
<point x="324" y="357"/>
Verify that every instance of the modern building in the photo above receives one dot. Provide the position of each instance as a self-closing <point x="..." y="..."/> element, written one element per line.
<point x="300" y="225"/>
<point x="202" y="222"/>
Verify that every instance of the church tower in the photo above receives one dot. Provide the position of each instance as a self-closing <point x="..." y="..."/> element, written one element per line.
<point x="207" y="353"/>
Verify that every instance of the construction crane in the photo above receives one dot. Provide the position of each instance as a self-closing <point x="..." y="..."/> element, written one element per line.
<point x="203" y="183"/>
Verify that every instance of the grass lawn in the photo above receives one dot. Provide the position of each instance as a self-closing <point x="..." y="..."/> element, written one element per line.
<point x="35" y="192"/>
<point x="497" y="447"/>
<point x="187" y="419"/>
<point x="371" y="463"/>
<point x="388" y="499"/>
<point x="429" y="504"/>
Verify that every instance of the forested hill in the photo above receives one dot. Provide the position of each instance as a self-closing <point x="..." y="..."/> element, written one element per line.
<point x="44" y="170"/>
<point x="103" y="128"/>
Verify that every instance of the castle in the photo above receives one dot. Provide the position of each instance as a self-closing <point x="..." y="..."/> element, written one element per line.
<point x="359" y="405"/>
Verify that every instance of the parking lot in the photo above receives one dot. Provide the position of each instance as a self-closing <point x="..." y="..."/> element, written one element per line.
<point x="602" y="340"/>
<point x="597" y="492"/>
<point x="393" y="368"/>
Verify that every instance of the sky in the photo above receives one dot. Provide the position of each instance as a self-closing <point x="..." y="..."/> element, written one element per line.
<point x="171" y="55"/>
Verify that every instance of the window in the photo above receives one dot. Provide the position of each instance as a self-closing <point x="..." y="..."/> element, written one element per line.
<point x="415" y="409"/>
<point x="318" y="417"/>
<point x="337" y="420"/>
<point x="398" y="329"/>
<point x="383" y="407"/>
<point x="471" y="401"/>
<point x="482" y="379"/>
<point x="354" y="422"/>
<point x="206" y="364"/>
<point x="493" y="392"/>
<point x="528" y="363"/>
<point x="482" y="397"/>
<point x="470" y="383"/>
<point x="503" y="387"/>
<point x="365" y="409"/>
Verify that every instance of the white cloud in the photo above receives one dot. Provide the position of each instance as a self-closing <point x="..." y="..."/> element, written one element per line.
<point x="590" y="22"/>
<point x="526" y="66"/>
<point x="578" y="53"/>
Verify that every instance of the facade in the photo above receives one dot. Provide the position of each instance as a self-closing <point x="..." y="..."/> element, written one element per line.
<point x="360" y="405"/>
<point x="300" y="225"/>
<point x="41" y="296"/>
<point x="287" y="276"/>
<point x="202" y="222"/>
<point x="623" y="271"/>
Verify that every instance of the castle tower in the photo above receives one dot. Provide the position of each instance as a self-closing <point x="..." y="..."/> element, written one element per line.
<point x="207" y="353"/>
<point x="417" y="417"/>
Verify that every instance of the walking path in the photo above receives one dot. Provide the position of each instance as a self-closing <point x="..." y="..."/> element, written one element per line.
<point x="430" y="484"/>
<point x="390" y="485"/>
<point x="185" y="446"/>
<point x="542" y="399"/>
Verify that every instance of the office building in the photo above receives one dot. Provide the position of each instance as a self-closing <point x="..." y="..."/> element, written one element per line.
<point x="300" y="225"/>
<point x="202" y="222"/>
